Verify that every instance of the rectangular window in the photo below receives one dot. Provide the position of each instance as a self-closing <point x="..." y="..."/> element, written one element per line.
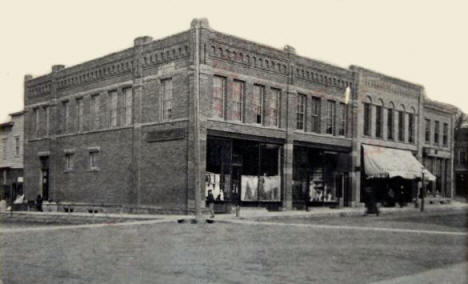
<point x="68" y="161"/>
<point x="367" y="119"/>
<point x="79" y="114"/>
<point x="238" y="88"/>
<point x="66" y="116"/>
<point x="113" y="108"/>
<point x="219" y="93"/>
<point x="128" y="97"/>
<point x="410" y="128"/>
<point x="274" y="108"/>
<point x="427" y="134"/>
<point x="445" y="135"/>
<point x="47" y="118"/>
<point x="390" y="124"/>
<point x="93" y="160"/>
<point x="36" y="121"/>
<point x="257" y="102"/>
<point x="343" y="118"/>
<point x="95" y="111"/>
<point x="5" y="147"/>
<point x="166" y="87"/>
<point x="401" y="123"/>
<point x="462" y="157"/>
<point x="378" y="121"/>
<point x="300" y="111"/>
<point x="315" y="114"/>
<point x="331" y="112"/>
<point x="436" y="132"/>
<point x="17" y="146"/>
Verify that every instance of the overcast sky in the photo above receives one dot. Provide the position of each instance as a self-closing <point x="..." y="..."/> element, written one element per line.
<point x="425" y="42"/>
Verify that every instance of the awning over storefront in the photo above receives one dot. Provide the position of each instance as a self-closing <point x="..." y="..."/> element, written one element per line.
<point x="382" y="162"/>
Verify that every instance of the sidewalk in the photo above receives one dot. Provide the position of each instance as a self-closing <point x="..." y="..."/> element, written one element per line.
<point x="263" y="214"/>
<point x="256" y="213"/>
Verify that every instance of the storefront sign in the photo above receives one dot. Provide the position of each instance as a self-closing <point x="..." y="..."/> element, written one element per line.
<point x="165" y="135"/>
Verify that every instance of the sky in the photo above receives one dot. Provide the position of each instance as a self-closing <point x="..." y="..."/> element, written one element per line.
<point x="425" y="42"/>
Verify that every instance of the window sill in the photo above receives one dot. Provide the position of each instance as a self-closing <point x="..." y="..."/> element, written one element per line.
<point x="93" y="170"/>
<point x="68" y="171"/>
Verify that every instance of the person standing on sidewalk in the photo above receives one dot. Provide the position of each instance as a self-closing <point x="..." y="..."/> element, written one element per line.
<point x="210" y="202"/>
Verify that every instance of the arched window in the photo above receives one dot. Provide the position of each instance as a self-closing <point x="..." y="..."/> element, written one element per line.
<point x="401" y="123"/>
<point x="390" y="121"/>
<point x="367" y="115"/>
<point x="379" y="118"/>
<point x="411" y="124"/>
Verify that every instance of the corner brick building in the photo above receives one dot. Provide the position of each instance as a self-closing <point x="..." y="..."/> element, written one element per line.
<point x="153" y="127"/>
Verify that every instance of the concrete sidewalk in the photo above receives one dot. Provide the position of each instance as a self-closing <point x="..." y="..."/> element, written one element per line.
<point x="252" y="213"/>
<point x="263" y="214"/>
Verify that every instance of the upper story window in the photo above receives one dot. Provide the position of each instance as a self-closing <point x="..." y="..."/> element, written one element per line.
<point x="257" y="102"/>
<point x="113" y="108"/>
<point x="47" y="120"/>
<point x="427" y="132"/>
<point x="219" y="93"/>
<point x="95" y="111"/>
<point x="238" y="89"/>
<point x="79" y="114"/>
<point x="367" y="119"/>
<point x="274" y="108"/>
<point x="445" y="135"/>
<point x="69" y="161"/>
<point x="401" y="126"/>
<point x="92" y="159"/>
<point x="166" y="88"/>
<point x="300" y="111"/>
<point x="343" y="117"/>
<point x="378" y="121"/>
<point x="462" y="157"/>
<point x="315" y="114"/>
<point x="66" y="116"/>
<point x="410" y="127"/>
<point x="17" y="146"/>
<point x="436" y="132"/>
<point x="331" y="112"/>
<point x="390" y="121"/>
<point x="5" y="147"/>
<point x="36" y="122"/>
<point x="128" y="105"/>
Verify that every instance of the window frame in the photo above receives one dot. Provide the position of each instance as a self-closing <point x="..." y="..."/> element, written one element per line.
<point x="301" y="105"/>
<point x="367" y="115"/>
<point x="331" y="117"/>
<point x="221" y="98"/>
<point x="240" y="102"/>
<point x="167" y="99"/>
<point x="259" y="103"/>
<point x="315" y="114"/>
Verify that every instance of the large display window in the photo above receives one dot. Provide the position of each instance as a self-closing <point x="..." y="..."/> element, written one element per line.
<point x="319" y="178"/>
<point x="243" y="171"/>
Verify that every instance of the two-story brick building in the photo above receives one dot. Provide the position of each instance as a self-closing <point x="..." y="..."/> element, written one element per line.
<point x="11" y="156"/>
<point x="157" y="125"/>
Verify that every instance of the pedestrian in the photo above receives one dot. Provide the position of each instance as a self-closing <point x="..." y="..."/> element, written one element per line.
<point x="210" y="202"/>
<point x="39" y="203"/>
<point x="236" y="202"/>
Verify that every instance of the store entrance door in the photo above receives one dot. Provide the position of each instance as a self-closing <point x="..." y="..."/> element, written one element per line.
<point x="236" y="183"/>
<point x="45" y="178"/>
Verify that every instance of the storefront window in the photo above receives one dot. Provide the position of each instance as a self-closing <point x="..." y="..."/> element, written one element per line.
<point x="245" y="169"/>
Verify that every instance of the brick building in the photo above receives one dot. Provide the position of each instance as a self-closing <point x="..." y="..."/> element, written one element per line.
<point x="145" y="127"/>
<point x="461" y="162"/>
<point x="11" y="156"/>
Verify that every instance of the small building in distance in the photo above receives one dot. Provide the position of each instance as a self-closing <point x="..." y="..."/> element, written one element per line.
<point x="11" y="156"/>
